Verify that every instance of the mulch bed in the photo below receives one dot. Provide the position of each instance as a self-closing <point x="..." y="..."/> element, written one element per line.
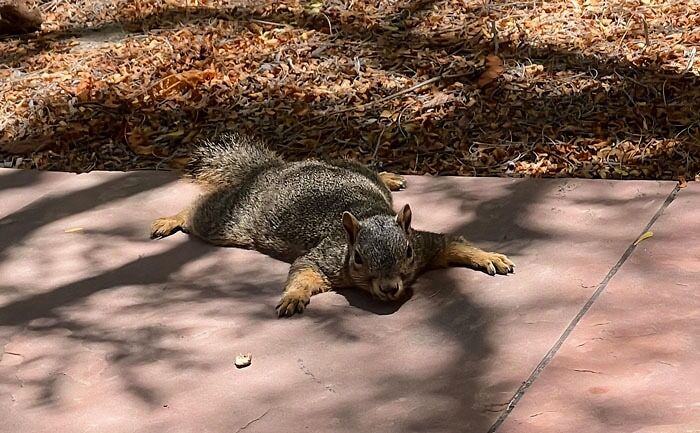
<point x="575" y="88"/>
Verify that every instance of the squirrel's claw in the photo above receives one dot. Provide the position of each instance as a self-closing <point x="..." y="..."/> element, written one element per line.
<point x="163" y="227"/>
<point x="494" y="263"/>
<point x="502" y="264"/>
<point x="290" y="304"/>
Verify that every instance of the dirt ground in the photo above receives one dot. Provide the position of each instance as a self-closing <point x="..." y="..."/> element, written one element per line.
<point x="576" y="88"/>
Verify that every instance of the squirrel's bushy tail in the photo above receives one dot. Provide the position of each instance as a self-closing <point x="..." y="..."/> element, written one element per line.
<point x="229" y="158"/>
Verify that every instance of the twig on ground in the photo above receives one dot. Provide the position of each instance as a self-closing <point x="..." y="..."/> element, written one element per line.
<point x="252" y="421"/>
<point x="385" y="99"/>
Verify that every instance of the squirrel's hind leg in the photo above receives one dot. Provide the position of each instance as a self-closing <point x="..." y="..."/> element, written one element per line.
<point x="166" y="226"/>
<point x="393" y="181"/>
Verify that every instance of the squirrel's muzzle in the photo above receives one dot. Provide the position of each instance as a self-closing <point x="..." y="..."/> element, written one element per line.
<point x="390" y="288"/>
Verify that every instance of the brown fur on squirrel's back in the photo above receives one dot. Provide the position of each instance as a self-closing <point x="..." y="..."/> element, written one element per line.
<point x="280" y="208"/>
<point x="229" y="159"/>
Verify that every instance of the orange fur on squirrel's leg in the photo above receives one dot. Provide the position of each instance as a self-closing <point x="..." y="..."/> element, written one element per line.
<point x="301" y="285"/>
<point x="166" y="226"/>
<point x="393" y="181"/>
<point x="458" y="252"/>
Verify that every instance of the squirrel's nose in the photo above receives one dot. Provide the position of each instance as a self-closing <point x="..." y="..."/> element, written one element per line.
<point x="389" y="288"/>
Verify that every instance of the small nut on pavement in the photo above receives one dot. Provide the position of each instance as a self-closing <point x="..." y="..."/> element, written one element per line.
<point x="243" y="360"/>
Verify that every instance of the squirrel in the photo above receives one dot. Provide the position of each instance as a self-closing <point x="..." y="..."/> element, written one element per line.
<point x="333" y="221"/>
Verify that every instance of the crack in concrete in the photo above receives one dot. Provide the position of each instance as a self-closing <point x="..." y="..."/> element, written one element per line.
<point x="308" y="372"/>
<point x="582" y="312"/>
<point x="583" y="370"/>
<point x="252" y="421"/>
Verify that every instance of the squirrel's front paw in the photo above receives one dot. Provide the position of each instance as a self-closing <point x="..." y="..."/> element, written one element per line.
<point x="494" y="263"/>
<point x="292" y="302"/>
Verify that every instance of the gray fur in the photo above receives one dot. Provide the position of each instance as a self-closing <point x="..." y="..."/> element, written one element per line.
<point x="293" y="210"/>
<point x="229" y="159"/>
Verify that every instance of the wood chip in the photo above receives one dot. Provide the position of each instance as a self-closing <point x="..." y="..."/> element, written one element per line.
<point x="494" y="69"/>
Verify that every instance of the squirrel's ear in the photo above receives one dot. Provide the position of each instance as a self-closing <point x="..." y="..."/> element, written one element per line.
<point x="352" y="227"/>
<point x="403" y="218"/>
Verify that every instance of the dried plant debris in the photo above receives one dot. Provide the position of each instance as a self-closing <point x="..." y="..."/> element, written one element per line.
<point x="17" y="18"/>
<point x="582" y="88"/>
<point x="644" y="236"/>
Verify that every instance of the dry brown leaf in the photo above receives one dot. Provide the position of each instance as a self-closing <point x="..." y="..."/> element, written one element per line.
<point x="302" y="110"/>
<point x="177" y="82"/>
<point x="138" y="142"/>
<point x="682" y="183"/>
<point x="437" y="99"/>
<point x="178" y="163"/>
<point x="82" y="92"/>
<point x="645" y="235"/>
<point x="494" y="69"/>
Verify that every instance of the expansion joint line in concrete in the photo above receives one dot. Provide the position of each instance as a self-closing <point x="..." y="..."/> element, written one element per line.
<point x="569" y="329"/>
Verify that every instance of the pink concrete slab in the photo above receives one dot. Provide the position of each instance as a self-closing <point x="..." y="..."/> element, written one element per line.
<point x="18" y="188"/>
<point x="106" y="330"/>
<point x="633" y="362"/>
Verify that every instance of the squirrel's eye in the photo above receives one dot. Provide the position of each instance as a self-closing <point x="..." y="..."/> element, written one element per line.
<point x="409" y="252"/>
<point x="357" y="258"/>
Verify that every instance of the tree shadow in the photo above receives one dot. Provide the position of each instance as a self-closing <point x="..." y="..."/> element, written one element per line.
<point x="141" y="317"/>
<point x="467" y="401"/>
<point x="16" y="179"/>
<point x="140" y="271"/>
<point x="20" y="224"/>
<point x="110" y="316"/>
<point x="130" y="318"/>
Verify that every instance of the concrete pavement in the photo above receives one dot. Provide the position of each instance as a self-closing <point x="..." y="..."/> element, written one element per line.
<point x="106" y="330"/>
